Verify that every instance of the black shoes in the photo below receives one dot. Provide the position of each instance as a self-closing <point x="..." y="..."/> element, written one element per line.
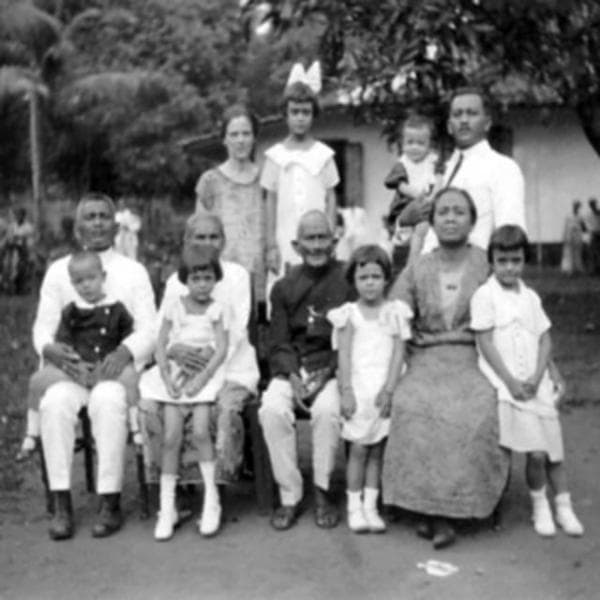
<point x="110" y="518"/>
<point x="61" y="526"/>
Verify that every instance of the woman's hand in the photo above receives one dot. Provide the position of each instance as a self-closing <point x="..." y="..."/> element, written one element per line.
<point x="172" y="388"/>
<point x="384" y="402"/>
<point x="348" y="403"/>
<point x="195" y="385"/>
<point x="114" y="362"/>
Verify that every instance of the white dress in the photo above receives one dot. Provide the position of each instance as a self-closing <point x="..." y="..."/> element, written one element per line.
<point x="372" y="346"/>
<point x="193" y="330"/>
<point x="518" y="321"/>
<point x="301" y="178"/>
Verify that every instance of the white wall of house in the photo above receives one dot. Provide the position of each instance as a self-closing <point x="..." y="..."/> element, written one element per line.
<point x="558" y="163"/>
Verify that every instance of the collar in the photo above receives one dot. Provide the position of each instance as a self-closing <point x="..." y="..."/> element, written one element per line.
<point x="479" y="149"/>
<point x="499" y="288"/>
<point x="316" y="272"/>
<point x="81" y="303"/>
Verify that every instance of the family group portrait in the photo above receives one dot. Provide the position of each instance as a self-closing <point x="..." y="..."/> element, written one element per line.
<point x="300" y="299"/>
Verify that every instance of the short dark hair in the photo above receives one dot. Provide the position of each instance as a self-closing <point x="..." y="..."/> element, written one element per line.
<point x="80" y="256"/>
<point x="369" y="253"/>
<point x="463" y="193"/>
<point x="486" y="100"/>
<point x="199" y="258"/>
<point x="300" y="92"/>
<point x="508" y="237"/>
<point x="235" y="111"/>
<point x="417" y="121"/>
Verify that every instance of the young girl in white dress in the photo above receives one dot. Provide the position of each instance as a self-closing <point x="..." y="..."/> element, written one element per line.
<point x="299" y="173"/>
<point x="513" y="339"/>
<point x="369" y="335"/>
<point x="198" y="321"/>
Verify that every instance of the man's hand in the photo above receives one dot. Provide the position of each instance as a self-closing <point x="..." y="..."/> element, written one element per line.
<point x="114" y="363"/>
<point x="383" y="401"/>
<point x="189" y="359"/>
<point x="63" y="357"/>
<point x="299" y="393"/>
<point x="348" y="403"/>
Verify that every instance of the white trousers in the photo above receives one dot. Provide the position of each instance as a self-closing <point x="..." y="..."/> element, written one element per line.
<point x="107" y="410"/>
<point x="277" y="418"/>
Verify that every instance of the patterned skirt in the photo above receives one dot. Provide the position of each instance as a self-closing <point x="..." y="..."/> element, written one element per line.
<point x="442" y="456"/>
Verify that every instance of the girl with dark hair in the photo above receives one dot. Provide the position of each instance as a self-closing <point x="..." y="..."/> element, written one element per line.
<point x="369" y="335"/>
<point x="231" y="191"/>
<point x="299" y="174"/>
<point x="513" y="338"/>
<point x="198" y="321"/>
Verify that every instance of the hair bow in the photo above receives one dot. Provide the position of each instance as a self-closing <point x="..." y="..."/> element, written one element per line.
<point x="310" y="77"/>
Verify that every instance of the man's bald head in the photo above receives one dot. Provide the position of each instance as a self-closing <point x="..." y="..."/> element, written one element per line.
<point x="310" y="219"/>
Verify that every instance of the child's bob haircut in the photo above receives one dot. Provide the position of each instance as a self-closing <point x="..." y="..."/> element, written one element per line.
<point x="363" y="255"/>
<point x="199" y="258"/>
<point x="508" y="237"/>
<point x="300" y="92"/>
<point x="85" y="256"/>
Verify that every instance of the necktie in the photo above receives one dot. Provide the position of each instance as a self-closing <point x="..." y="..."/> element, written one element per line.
<point x="455" y="170"/>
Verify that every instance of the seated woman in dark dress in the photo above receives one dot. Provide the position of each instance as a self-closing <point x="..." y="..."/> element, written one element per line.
<point x="442" y="458"/>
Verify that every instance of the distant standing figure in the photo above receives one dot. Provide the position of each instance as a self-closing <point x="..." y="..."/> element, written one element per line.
<point x="126" y="240"/>
<point x="231" y="191"/>
<point x="594" y="228"/>
<point x="572" y="257"/>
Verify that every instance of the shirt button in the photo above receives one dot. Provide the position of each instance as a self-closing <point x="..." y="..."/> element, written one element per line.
<point x="103" y="330"/>
<point x="107" y="311"/>
<point x="97" y="349"/>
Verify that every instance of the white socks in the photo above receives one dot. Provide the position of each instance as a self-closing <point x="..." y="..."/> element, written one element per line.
<point x="543" y="522"/>
<point x="167" y="516"/>
<point x="211" y="508"/>
<point x="565" y="516"/>
<point x="362" y="514"/>
<point x="376" y="523"/>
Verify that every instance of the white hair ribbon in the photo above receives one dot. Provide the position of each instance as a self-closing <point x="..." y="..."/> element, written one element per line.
<point x="310" y="77"/>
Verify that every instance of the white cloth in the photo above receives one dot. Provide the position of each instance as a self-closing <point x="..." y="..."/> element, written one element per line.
<point x="518" y="321"/>
<point x="277" y="418"/>
<point x="126" y="240"/>
<point x="496" y="184"/>
<point x="193" y="330"/>
<point x="126" y="280"/>
<point x="107" y="409"/>
<point x="421" y="175"/>
<point x="372" y="346"/>
<point x="301" y="179"/>
<point x="232" y="292"/>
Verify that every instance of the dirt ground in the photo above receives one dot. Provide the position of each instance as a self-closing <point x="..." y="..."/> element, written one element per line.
<point x="249" y="560"/>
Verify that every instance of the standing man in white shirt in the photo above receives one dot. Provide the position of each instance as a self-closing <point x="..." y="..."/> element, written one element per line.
<point x="494" y="181"/>
<point x="127" y="281"/>
<point x="241" y="368"/>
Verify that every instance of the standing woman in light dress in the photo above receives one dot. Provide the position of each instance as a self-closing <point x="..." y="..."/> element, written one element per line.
<point x="232" y="191"/>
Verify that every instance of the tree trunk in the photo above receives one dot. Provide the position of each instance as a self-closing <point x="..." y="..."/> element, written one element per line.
<point x="589" y="117"/>
<point x="35" y="158"/>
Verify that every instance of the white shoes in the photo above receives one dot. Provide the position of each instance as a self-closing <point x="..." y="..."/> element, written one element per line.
<point x="543" y="523"/>
<point x="165" y="525"/>
<point x="374" y="521"/>
<point x="210" y="521"/>
<point x="567" y="519"/>
<point x="357" y="520"/>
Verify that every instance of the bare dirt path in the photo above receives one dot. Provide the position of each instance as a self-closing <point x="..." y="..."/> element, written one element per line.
<point x="248" y="560"/>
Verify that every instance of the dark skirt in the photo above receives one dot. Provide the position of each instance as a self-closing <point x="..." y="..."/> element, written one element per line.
<point x="442" y="455"/>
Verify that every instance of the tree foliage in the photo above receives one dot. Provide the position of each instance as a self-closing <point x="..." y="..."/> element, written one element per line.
<point x="539" y="52"/>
